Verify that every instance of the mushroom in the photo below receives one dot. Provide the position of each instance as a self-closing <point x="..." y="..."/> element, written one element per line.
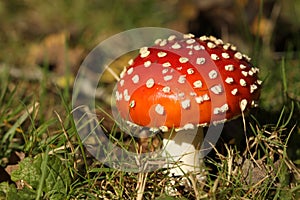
<point x="184" y="84"/>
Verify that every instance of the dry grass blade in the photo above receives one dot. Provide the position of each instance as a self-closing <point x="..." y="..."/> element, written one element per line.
<point x="141" y="184"/>
<point x="69" y="143"/>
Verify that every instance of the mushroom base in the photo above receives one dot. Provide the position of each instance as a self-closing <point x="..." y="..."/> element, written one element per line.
<point x="182" y="152"/>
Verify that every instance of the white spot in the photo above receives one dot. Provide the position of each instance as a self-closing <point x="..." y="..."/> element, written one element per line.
<point x="213" y="74"/>
<point x="118" y="96"/>
<point x="243" y="66"/>
<point x="163" y="43"/>
<point x="203" y="38"/>
<point x="183" y="60"/>
<point x="130" y="62"/>
<point x="131" y="124"/>
<point x="190" y="41"/>
<point x="153" y="129"/>
<point x="164" y="71"/>
<point x="135" y="78"/>
<point x="188" y="35"/>
<point x="229" y="80"/>
<point x="253" y="88"/>
<point x="254" y="103"/>
<point x="168" y="77"/>
<point x="211" y="45"/>
<point x="193" y="94"/>
<point x="234" y="91"/>
<point x="150" y="83"/>
<point x="159" y="109"/>
<point x="166" y="89"/>
<point x="176" y="46"/>
<point x="217" y="89"/>
<point x="126" y="95"/>
<point x="181" y="94"/>
<point x="188" y="126"/>
<point x="122" y="82"/>
<point x="199" y="47"/>
<point x="189" y="46"/>
<point x="200" y="61"/>
<point x="147" y="63"/>
<point x="219" y="41"/>
<point x="226" y="46"/>
<point x="247" y="57"/>
<point x="225" y="55"/>
<point x="259" y="82"/>
<point x="125" y="92"/>
<point x="157" y="41"/>
<point x="166" y="64"/>
<point x="190" y="71"/>
<point x="244" y="73"/>
<point x="143" y="50"/>
<point x="243" y="104"/>
<point x="212" y="38"/>
<point x="161" y="54"/>
<point x="145" y="54"/>
<point x="130" y="70"/>
<point x="199" y="99"/>
<point x="206" y="97"/>
<point x="221" y="109"/>
<point x="172" y="37"/>
<point x="164" y="128"/>
<point x="197" y="84"/>
<point x="250" y="73"/>
<point x="222" y="121"/>
<point x="225" y="107"/>
<point x="177" y="130"/>
<point x="179" y="68"/>
<point x="229" y="68"/>
<point x="238" y="55"/>
<point x="186" y="104"/>
<point x="132" y="104"/>
<point x="243" y="82"/>
<point x="233" y="48"/>
<point x="254" y="69"/>
<point x="214" y="56"/>
<point x="181" y="79"/>
<point x="190" y="53"/>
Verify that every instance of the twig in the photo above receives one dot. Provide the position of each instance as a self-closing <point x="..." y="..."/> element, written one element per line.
<point x="247" y="141"/>
<point x="194" y="184"/>
<point x="113" y="73"/>
<point x="142" y="178"/>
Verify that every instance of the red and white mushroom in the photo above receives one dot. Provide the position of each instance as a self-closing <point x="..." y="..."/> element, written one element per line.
<point x="186" y="83"/>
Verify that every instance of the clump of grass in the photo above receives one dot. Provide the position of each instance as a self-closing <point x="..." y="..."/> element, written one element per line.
<point x="262" y="171"/>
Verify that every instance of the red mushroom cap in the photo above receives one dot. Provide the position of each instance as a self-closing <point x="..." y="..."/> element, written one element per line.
<point x="188" y="81"/>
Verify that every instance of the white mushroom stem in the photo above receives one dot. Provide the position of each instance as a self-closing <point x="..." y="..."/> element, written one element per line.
<point x="182" y="152"/>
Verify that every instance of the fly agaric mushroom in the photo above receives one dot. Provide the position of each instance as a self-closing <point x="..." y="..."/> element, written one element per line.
<point x="186" y="83"/>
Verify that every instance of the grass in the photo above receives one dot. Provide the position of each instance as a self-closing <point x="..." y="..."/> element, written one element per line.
<point x="46" y="159"/>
